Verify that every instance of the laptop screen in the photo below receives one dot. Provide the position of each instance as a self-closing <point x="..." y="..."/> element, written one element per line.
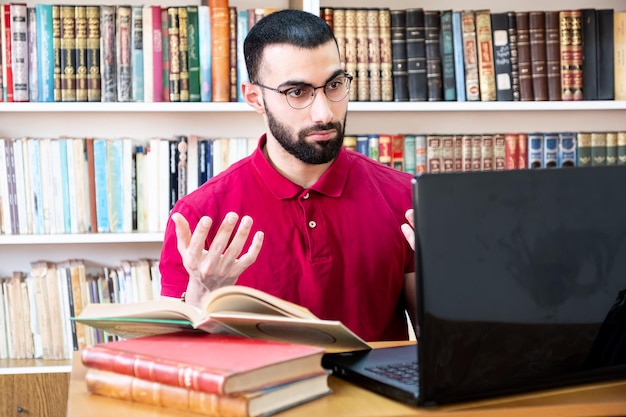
<point x="522" y="277"/>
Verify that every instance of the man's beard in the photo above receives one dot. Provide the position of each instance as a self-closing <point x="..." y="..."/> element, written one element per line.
<point x="310" y="153"/>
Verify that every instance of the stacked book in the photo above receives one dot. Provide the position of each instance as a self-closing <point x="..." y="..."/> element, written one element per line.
<point x="208" y="374"/>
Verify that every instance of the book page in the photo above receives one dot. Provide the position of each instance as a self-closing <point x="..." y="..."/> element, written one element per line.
<point x="238" y="298"/>
<point x="165" y="309"/>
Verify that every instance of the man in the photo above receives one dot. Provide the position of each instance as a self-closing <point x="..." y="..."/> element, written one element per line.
<point x="303" y="218"/>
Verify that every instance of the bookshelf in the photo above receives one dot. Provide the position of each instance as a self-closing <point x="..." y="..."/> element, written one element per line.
<point x="145" y="120"/>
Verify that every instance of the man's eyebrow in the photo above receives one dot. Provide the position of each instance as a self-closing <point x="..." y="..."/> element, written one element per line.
<point x="304" y="83"/>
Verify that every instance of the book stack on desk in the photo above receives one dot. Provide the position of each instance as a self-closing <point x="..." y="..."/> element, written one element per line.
<point x="209" y="374"/>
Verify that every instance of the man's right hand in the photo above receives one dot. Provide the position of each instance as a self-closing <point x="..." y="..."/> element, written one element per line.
<point x="220" y="264"/>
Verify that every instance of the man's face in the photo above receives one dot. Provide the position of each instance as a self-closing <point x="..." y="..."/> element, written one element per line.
<point x="313" y="135"/>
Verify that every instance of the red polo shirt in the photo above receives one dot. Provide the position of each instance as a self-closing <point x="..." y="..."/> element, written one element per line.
<point x="335" y="248"/>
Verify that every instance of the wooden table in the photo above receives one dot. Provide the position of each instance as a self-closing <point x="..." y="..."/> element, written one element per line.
<point x="348" y="400"/>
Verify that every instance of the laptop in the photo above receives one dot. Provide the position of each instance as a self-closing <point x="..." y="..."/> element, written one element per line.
<point x="521" y="286"/>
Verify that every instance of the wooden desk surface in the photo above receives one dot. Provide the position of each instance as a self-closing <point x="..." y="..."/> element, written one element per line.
<point x="348" y="400"/>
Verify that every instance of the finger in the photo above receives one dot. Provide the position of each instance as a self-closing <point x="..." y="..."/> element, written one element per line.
<point x="409" y="214"/>
<point x="241" y="236"/>
<point x="251" y="255"/>
<point x="198" y="238"/>
<point x="183" y="234"/>
<point x="409" y="234"/>
<point x="220" y="242"/>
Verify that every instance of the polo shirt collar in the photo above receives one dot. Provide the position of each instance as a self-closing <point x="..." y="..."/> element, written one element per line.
<point x="331" y="183"/>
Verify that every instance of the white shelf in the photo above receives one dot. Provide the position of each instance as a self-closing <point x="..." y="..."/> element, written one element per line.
<point x="356" y="106"/>
<point x="94" y="238"/>
<point x="36" y="370"/>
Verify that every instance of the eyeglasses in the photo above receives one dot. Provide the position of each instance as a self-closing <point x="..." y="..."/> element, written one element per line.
<point x="301" y="96"/>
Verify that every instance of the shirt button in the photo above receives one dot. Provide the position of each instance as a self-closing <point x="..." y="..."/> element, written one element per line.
<point x="306" y="196"/>
<point x="312" y="224"/>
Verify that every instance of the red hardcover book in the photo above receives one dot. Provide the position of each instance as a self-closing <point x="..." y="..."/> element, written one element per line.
<point x="211" y="363"/>
<point x="384" y="149"/>
<point x="397" y="152"/>
<point x="511" y="150"/>
<point x="522" y="145"/>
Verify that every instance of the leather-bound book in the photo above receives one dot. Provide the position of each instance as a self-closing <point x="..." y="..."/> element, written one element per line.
<point x="605" y="54"/>
<point x="486" y="65"/>
<point x="432" y="31"/>
<point x="590" y="56"/>
<point x="524" y="57"/>
<point x="362" y="57"/>
<point x="512" y="28"/>
<point x="447" y="57"/>
<point x="502" y="56"/>
<point x="93" y="53"/>
<point x="373" y="48"/>
<point x="416" y="54"/>
<point x="565" y="20"/>
<point x="232" y="57"/>
<point x="220" y="50"/>
<point x="470" y="55"/>
<point x="183" y="52"/>
<point x="173" y="32"/>
<point x="539" y="70"/>
<point x="346" y="23"/>
<point x="576" y="63"/>
<point x="339" y="25"/>
<point x="553" y="55"/>
<point x="386" y="66"/>
<point x="399" y="56"/>
<point x="68" y="53"/>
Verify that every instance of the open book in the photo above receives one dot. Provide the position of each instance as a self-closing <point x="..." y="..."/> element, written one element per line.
<point x="232" y="309"/>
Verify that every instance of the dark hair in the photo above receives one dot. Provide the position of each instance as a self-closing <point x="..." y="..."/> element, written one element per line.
<point x="293" y="27"/>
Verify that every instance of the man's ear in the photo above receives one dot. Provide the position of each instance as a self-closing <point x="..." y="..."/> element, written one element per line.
<point x="252" y="96"/>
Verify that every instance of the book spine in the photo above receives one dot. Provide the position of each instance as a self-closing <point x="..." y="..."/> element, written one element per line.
<point x="621" y="148"/>
<point x="433" y="154"/>
<point x="345" y="27"/>
<point x="416" y="55"/>
<point x="522" y="145"/>
<point x="432" y="34"/>
<point x="420" y="154"/>
<point x="470" y="55"/>
<point x="373" y="47"/>
<point x="589" y="51"/>
<point x="386" y="77"/>
<point x="511" y="151"/>
<point x="399" y="51"/>
<point x="605" y="54"/>
<point x="447" y="57"/>
<point x="447" y="153"/>
<point x="124" y="387"/>
<point x="611" y="148"/>
<point x="159" y="370"/>
<point x="165" y="54"/>
<point x="68" y="53"/>
<point x="123" y="51"/>
<point x="373" y="147"/>
<point x="101" y="185"/>
<point x="550" y="150"/>
<point x="156" y="39"/>
<point x="477" y="153"/>
<point x="502" y="56"/>
<point x="339" y="24"/>
<point x="486" y="65"/>
<point x="535" y="150"/>
<point x="537" y="38"/>
<point x="193" y="43"/>
<point x="553" y="55"/>
<point x="524" y="57"/>
<point x="512" y="29"/>
<point x="183" y="53"/>
<point x="362" y="57"/>
<point x="397" y="152"/>
<point x="7" y="53"/>
<point x="458" y="153"/>
<point x="499" y="152"/>
<point x="45" y="58"/>
<point x="487" y="153"/>
<point x="82" y="86"/>
<point x="567" y="150"/>
<point x="459" y="66"/>
<point x="577" y="55"/>
<point x="19" y="51"/>
<point x="409" y="152"/>
<point x="220" y="52"/>
<point x="204" y="28"/>
<point x="33" y="81"/>
<point x="93" y="53"/>
<point x="384" y="149"/>
<point x="583" y="149"/>
<point x="598" y="148"/>
<point x="173" y="32"/>
<point x="108" y="54"/>
<point x="232" y="54"/>
<point x="136" y="58"/>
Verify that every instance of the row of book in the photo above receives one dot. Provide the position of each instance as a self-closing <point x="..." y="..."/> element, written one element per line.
<point x="477" y="55"/>
<point x="435" y="153"/>
<point x="123" y="53"/>
<point x="125" y="185"/>
<point x="96" y="185"/>
<point x="36" y="306"/>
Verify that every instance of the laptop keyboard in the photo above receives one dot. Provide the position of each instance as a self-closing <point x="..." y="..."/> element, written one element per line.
<point x="403" y="372"/>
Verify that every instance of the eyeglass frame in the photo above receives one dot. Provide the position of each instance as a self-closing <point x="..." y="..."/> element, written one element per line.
<point x="347" y="76"/>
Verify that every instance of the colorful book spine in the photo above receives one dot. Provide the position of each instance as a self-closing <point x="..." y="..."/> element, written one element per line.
<point x="535" y="150"/>
<point x="136" y="56"/>
<point x="123" y="30"/>
<point x="459" y="65"/>
<point x="108" y="55"/>
<point x="101" y="185"/>
<point x="45" y="53"/>
<point x="193" y="46"/>
<point x="242" y="32"/>
<point x="550" y="150"/>
<point x="486" y="65"/>
<point x="173" y="31"/>
<point x="386" y="77"/>
<point x="183" y="53"/>
<point x="232" y="53"/>
<point x="7" y="42"/>
<point x="33" y="81"/>
<point x="204" y="30"/>
<point x="68" y="52"/>
<point x="470" y="55"/>
<point x="19" y="51"/>
<point x="165" y="55"/>
<point x="511" y="151"/>
<point x="448" y="57"/>
<point x="220" y="52"/>
<point x="567" y="150"/>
